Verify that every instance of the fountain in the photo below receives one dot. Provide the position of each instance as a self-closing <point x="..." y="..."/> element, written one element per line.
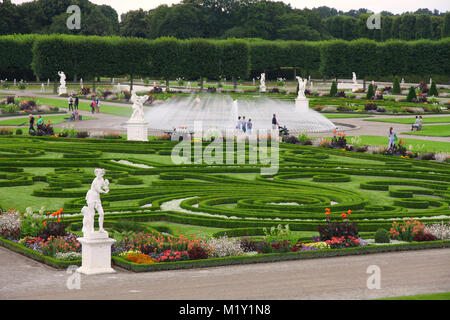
<point x="221" y="112"/>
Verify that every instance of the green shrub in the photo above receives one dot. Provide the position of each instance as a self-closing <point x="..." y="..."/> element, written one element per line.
<point x="382" y="236"/>
<point x="411" y="95"/>
<point x="333" y="89"/>
<point x="19" y="132"/>
<point x="433" y="90"/>
<point x="370" y="92"/>
<point x="396" y="87"/>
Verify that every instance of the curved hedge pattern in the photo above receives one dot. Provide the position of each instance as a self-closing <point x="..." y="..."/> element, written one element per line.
<point x="229" y="196"/>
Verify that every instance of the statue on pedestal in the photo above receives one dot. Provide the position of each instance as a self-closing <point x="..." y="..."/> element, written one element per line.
<point x="263" y="80"/>
<point x="354" y="78"/>
<point x="98" y="186"/>
<point x="301" y="87"/>
<point x="62" y="79"/>
<point x="138" y="107"/>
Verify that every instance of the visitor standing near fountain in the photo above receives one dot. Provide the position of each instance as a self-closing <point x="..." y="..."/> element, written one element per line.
<point x="244" y="125"/>
<point x="239" y="124"/>
<point x="275" y="123"/>
<point x="77" y="101"/>
<point x="249" y="126"/>
<point x="70" y="103"/>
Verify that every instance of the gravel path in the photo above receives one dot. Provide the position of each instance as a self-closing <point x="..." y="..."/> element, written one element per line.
<point x="402" y="273"/>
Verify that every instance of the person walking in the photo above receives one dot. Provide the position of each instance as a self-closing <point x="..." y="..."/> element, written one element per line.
<point x="97" y="104"/>
<point x="31" y="125"/>
<point x="70" y="103"/>
<point x="239" y="124"/>
<point x="392" y="137"/>
<point x="77" y="101"/>
<point x="93" y="106"/>
<point x="244" y="125"/>
<point x="275" y="123"/>
<point x="249" y="126"/>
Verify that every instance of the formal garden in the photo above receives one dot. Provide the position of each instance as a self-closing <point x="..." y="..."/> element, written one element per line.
<point x="324" y="201"/>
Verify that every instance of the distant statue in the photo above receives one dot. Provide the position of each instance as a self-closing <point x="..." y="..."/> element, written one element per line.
<point x="98" y="186"/>
<point x="138" y="107"/>
<point x="62" y="79"/>
<point x="301" y="87"/>
<point x="81" y="83"/>
<point x="354" y="78"/>
<point x="263" y="80"/>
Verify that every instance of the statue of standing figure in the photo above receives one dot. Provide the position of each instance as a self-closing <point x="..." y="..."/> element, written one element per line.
<point x="354" y="78"/>
<point x="263" y="79"/>
<point x="301" y="87"/>
<point x="98" y="186"/>
<point x="62" y="79"/>
<point x="138" y="107"/>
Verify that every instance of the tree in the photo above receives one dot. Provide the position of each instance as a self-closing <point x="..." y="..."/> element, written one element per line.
<point x="411" y="95"/>
<point x="446" y="26"/>
<point x="234" y="60"/>
<point x="333" y="89"/>
<point x="182" y="21"/>
<point x="370" y="92"/>
<point x="423" y="27"/>
<point x="407" y="27"/>
<point x="433" y="90"/>
<point x="396" y="86"/>
<point x="134" y="24"/>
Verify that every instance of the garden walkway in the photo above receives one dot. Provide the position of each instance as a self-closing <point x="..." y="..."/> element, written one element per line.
<point x="402" y="273"/>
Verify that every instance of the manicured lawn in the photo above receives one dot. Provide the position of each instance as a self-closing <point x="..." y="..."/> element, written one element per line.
<point x="412" y="119"/>
<point x="25" y="120"/>
<point x="428" y="146"/>
<point x="104" y="108"/>
<point x="431" y="296"/>
<point x="434" y="131"/>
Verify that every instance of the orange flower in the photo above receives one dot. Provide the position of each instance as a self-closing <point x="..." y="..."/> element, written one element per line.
<point x="59" y="220"/>
<point x="44" y="223"/>
<point x="349" y="212"/>
<point x="343" y="216"/>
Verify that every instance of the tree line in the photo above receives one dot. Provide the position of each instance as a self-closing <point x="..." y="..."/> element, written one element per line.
<point x="221" y="19"/>
<point x="29" y="56"/>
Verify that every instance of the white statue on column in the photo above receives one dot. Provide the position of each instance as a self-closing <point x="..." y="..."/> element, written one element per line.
<point x="354" y="78"/>
<point x="301" y="103"/>
<point x="96" y="245"/>
<point x="98" y="186"/>
<point x="62" y="80"/>
<point x="262" y="87"/>
<point x="301" y="87"/>
<point x="138" y="108"/>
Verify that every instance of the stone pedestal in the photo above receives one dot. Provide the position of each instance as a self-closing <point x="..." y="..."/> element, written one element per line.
<point x="96" y="254"/>
<point x="137" y="131"/>
<point x="262" y="89"/>
<point x="301" y="105"/>
<point x="62" y="90"/>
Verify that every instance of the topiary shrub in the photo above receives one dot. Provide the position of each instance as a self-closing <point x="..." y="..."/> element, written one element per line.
<point x="333" y="89"/>
<point x="433" y="90"/>
<point x="396" y="86"/>
<point x="412" y="97"/>
<point x="19" y="132"/>
<point x="382" y="236"/>
<point x="370" y="92"/>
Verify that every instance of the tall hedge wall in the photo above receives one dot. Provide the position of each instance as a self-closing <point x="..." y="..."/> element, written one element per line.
<point x="169" y="58"/>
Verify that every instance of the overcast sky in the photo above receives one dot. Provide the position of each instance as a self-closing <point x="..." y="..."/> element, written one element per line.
<point x="395" y="6"/>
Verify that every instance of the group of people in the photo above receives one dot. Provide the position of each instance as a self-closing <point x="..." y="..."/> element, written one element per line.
<point x="244" y="126"/>
<point x="73" y="103"/>
<point x="393" y="137"/>
<point x="40" y="123"/>
<point x="95" y="105"/>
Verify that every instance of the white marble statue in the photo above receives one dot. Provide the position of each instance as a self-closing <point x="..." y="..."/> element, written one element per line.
<point x="301" y="87"/>
<point x="98" y="186"/>
<point x="403" y="81"/>
<point x="138" y="107"/>
<point x="42" y="88"/>
<point x="81" y="83"/>
<point x="263" y="80"/>
<point x="354" y="78"/>
<point x="62" y="79"/>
